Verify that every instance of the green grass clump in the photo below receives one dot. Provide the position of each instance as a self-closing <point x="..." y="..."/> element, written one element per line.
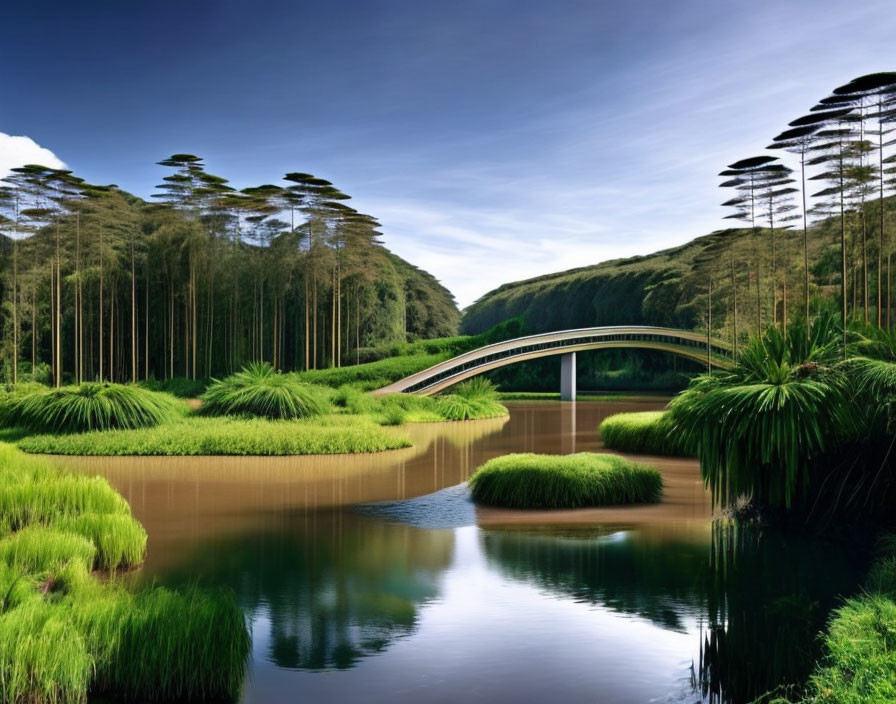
<point x="471" y="400"/>
<point x="48" y="499"/>
<point x="39" y="550"/>
<point x="228" y="436"/>
<point x="64" y="633"/>
<point x="647" y="432"/>
<point x="564" y="481"/>
<point x="164" y="645"/>
<point x="259" y="390"/>
<point x="119" y="539"/>
<point x="90" y="406"/>
<point x="860" y="667"/>
<point x="373" y="375"/>
<point x="43" y="656"/>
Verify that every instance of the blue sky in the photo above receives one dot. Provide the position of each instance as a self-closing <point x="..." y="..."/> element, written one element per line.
<point x="494" y="139"/>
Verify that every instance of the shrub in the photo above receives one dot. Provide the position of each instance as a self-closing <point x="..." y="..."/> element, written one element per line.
<point x="90" y="407"/>
<point x="647" y="432"/>
<point x="259" y="390"/>
<point x="227" y="436"/>
<point x="564" y="481"/>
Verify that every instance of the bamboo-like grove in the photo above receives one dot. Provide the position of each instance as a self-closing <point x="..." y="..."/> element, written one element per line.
<point x="97" y="284"/>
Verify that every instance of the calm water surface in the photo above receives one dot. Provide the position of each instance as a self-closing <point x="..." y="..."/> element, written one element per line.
<point x="374" y="579"/>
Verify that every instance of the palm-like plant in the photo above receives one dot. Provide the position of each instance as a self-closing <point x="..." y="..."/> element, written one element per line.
<point x="259" y="390"/>
<point x="757" y="426"/>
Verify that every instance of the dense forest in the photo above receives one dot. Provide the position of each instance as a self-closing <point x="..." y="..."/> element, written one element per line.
<point x="97" y="283"/>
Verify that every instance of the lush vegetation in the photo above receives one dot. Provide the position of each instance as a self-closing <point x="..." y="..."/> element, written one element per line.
<point x="471" y="400"/>
<point x="859" y="665"/>
<point x="647" y="432"/>
<point x="64" y="633"/>
<point x="99" y="285"/>
<point x="373" y="375"/>
<point x="86" y="407"/>
<point x="227" y="436"/>
<point x="259" y="390"/>
<point x="564" y="481"/>
<point x="794" y="425"/>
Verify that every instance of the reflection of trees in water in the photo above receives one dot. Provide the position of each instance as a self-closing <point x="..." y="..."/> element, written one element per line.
<point x="761" y="596"/>
<point x="658" y="581"/>
<point x="770" y="594"/>
<point x="336" y="587"/>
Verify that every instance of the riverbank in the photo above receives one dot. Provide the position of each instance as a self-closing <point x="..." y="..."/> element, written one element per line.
<point x="69" y="627"/>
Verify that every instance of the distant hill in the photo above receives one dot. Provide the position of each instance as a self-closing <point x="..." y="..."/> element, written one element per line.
<point x="670" y="287"/>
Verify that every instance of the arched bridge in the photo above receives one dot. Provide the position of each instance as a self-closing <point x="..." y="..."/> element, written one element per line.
<point x="685" y="343"/>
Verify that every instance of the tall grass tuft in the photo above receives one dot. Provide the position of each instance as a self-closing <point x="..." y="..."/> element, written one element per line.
<point x="646" y="432"/>
<point x="43" y="656"/>
<point x="259" y="390"/>
<point x="165" y="645"/>
<point x="64" y="633"/>
<point x="564" y="481"/>
<point x="89" y="407"/>
<point x="472" y="400"/>
<point x="47" y="500"/>
<point x="40" y="550"/>
<point x="119" y="539"/>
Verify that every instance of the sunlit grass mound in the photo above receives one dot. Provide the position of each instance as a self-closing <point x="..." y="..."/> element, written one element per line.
<point x="327" y="435"/>
<point x="564" y="481"/>
<point x="472" y="400"/>
<point x="90" y="406"/>
<point x="259" y="390"/>
<point x="646" y="432"/>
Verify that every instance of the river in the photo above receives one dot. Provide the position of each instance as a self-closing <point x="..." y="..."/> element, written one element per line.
<point x="373" y="578"/>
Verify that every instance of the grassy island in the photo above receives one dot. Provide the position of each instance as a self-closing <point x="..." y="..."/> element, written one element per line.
<point x="65" y="632"/>
<point x="227" y="436"/>
<point x="646" y="432"/>
<point x="564" y="481"/>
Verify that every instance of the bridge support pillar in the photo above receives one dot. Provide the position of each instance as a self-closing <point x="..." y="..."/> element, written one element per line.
<point x="568" y="377"/>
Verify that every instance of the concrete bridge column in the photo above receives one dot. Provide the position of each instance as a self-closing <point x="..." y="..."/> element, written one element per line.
<point x="568" y="377"/>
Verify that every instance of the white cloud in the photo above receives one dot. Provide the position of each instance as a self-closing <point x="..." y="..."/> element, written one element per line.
<point x="18" y="150"/>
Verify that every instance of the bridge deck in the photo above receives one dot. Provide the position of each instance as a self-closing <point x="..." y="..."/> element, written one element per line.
<point x="681" y="342"/>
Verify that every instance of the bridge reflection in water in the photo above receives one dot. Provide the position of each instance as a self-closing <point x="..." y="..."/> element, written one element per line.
<point x="714" y="353"/>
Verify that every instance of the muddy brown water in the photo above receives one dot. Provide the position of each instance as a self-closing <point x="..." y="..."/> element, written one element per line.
<point x="424" y="597"/>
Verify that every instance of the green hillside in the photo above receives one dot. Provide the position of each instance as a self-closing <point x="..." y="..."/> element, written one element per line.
<point x="671" y="287"/>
